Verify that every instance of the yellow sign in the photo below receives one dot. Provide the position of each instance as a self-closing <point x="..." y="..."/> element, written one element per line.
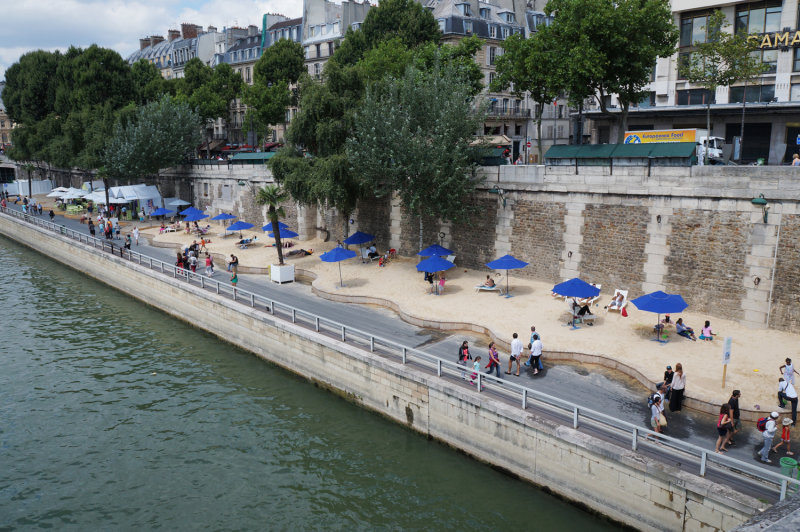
<point x="777" y="39"/>
<point x="660" y="135"/>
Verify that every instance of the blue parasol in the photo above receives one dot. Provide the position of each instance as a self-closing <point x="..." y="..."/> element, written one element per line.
<point x="359" y="238"/>
<point x="434" y="264"/>
<point x="239" y="226"/>
<point x="506" y="262"/>
<point x="190" y="210"/>
<point x="195" y="217"/>
<point x="161" y="211"/>
<point x="284" y="233"/>
<point x="338" y="254"/>
<point x="576" y="288"/>
<point x="435" y="251"/>
<point x="660" y="303"/>
<point x="268" y="227"/>
<point x="224" y="216"/>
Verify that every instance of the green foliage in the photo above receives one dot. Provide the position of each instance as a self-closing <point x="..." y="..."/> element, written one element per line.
<point x="530" y="67"/>
<point x="405" y="20"/>
<point x="283" y="61"/>
<point x="30" y="93"/>
<point x="460" y="55"/>
<point x="605" y="47"/>
<point x="414" y="135"/>
<point x="160" y="134"/>
<point x="148" y="84"/>
<point x="273" y="196"/>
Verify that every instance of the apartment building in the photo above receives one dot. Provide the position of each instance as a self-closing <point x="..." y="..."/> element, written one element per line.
<point x="6" y="125"/>
<point x="772" y="109"/>
<point x="324" y="23"/>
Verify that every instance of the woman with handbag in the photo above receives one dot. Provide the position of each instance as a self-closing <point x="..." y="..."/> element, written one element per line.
<point x="678" y="387"/>
<point x="463" y="357"/>
<point x="724" y="426"/>
<point x="656" y="413"/>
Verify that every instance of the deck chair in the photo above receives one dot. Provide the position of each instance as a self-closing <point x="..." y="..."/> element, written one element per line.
<point x="451" y="258"/>
<point x="484" y="288"/>
<point x="591" y="300"/>
<point x="624" y="301"/>
<point x="587" y="318"/>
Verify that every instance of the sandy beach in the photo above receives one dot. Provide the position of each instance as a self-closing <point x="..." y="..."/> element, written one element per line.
<point x="756" y="354"/>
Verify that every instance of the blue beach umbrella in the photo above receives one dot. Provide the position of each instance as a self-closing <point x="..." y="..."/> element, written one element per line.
<point x="190" y="210"/>
<point x="338" y="254"/>
<point x="506" y="262"/>
<point x="435" y="251"/>
<point x="224" y="216"/>
<point x="576" y="288"/>
<point x="195" y="217"/>
<point x="434" y="264"/>
<point x="239" y="226"/>
<point x="358" y="238"/>
<point x="268" y="227"/>
<point x="161" y="211"/>
<point x="284" y="233"/>
<point x="660" y="303"/>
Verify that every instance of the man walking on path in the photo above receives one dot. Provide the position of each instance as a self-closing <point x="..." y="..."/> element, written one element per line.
<point x="786" y="392"/>
<point x="769" y="433"/>
<point x="136" y="235"/>
<point x="737" y="423"/>
<point x="516" y="354"/>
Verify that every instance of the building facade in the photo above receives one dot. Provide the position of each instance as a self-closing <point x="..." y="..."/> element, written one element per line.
<point x="6" y="125"/>
<point x="772" y="110"/>
<point x="325" y="23"/>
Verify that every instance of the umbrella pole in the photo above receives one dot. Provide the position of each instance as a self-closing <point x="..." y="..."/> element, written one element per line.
<point x="341" y="283"/>
<point x="507" y="294"/>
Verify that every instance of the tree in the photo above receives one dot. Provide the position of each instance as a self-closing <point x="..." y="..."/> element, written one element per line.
<point x="723" y="59"/>
<point x="413" y="135"/>
<point x="605" y="47"/>
<point x="29" y="94"/>
<point x="212" y="98"/>
<point x="530" y="67"/>
<point x="273" y="196"/>
<point x="160" y="134"/>
<point x="407" y="20"/>
<point x="148" y="84"/>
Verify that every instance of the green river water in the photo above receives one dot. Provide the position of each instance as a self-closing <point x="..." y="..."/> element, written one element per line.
<point x="115" y="416"/>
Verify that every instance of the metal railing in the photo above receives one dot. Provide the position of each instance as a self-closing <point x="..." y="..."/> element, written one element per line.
<point x="620" y="430"/>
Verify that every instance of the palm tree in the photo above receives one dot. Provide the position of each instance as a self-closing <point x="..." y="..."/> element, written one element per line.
<point x="273" y="196"/>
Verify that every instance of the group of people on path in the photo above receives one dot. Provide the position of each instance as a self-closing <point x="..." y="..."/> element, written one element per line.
<point x="671" y="390"/>
<point x="769" y="426"/>
<point x="534" y="359"/>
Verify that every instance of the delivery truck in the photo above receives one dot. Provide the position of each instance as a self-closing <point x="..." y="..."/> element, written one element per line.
<point x="698" y="136"/>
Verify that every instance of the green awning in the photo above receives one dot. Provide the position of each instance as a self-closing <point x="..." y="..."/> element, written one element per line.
<point x="618" y="151"/>
<point x="633" y="151"/>
<point x="259" y="156"/>
<point x="673" y="149"/>
<point x="568" y="151"/>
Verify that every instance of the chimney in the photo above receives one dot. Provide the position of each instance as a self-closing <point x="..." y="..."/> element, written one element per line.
<point x="252" y="30"/>
<point x="189" y="31"/>
<point x="173" y="34"/>
<point x="144" y="43"/>
<point x="212" y="29"/>
<point x="155" y="39"/>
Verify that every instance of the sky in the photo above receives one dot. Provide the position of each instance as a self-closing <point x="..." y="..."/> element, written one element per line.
<point x="118" y="24"/>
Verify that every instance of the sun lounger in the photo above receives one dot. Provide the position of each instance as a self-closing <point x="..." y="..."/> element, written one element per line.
<point x="591" y="300"/>
<point x="451" y="258"/>
<point x="484" y="288"/>
<point x="577" y="318"/>
<point x="624" y="301"/>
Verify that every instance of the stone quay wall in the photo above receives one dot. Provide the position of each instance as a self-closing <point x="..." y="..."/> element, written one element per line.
<point x="622" y="484"/>
<point x="692" y="231"/>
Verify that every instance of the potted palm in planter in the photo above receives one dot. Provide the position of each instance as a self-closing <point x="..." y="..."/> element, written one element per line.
<point x="273" y="196"/>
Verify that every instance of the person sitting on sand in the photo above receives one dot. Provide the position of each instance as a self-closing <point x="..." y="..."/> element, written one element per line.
<point x="685" y="330"/>
<point x="706" y="333"/>
<point x="373" y="251"/>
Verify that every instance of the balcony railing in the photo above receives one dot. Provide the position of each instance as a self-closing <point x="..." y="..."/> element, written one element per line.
<point x="509" y="112"/>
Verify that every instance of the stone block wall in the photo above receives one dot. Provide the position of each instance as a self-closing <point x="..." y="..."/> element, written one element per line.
<point x="473" y="240"/>
<point x="374" y="217"/>
<point x="614" y="239"/>
<point x="706" y="264"/>
<point x="537" y="236"/>
<point x="785" y="312"/>
<point x="409" y="227"/>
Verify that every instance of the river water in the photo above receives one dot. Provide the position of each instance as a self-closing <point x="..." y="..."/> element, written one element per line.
<point x="116" y="416"/>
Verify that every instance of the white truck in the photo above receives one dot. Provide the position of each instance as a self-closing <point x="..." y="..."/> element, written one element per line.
<point x="698" y="136"/>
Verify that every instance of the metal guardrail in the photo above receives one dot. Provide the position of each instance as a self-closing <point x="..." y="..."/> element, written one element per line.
<point x="524" y="396"/>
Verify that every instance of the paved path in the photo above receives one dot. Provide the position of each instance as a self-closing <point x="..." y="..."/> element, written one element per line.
<point x="595" y="388"/>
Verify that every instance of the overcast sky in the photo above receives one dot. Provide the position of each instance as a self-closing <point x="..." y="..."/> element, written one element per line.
<point x="118" y="24"/>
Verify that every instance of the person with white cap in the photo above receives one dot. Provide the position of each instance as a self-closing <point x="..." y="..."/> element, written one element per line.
<point x="769" y="432"/>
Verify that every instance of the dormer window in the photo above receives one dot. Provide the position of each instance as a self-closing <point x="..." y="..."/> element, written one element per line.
<point x="493" y="32"/>
<point x="505" y="33"/>
<point x="441" y="24"/>
<point x="485" y="13"/>
<point x="468" y="27"/>
<point x="465" y="10"/>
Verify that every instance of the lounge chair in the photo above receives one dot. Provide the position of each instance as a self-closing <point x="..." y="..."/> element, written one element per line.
<point x="577" y="318"/>
<point x="619" y="308"/>
<point x="591" y="300"/>
<point x="484" y="288"/>
<point x="451" y="258"/>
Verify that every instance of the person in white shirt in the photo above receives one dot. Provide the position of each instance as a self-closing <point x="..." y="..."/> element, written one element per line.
<point x="786" y="392"/>
<point x="516" y="354"/>
<point x="536" y="353"/>
<point x="769" y="433"/>
<point x="788" y="371"/>
<point x="655" y="413"/>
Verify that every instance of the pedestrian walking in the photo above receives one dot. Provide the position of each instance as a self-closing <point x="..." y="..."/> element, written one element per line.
<point x="233" y="264"/>
<point x="516" y="354"/>
<point x="494" y="360"/>
<point x="193" y="263"/>
<point x="464" y="357"/>
<point x="786" y="392"/>
<point x="678" y="388"/>
<point x="128" y="242"/>
<point x="116" y="228"/>
<point x="788" y="371"/>
<point x="769" y="432"/>
<point x="91" y="227"/>
<point x="737" y="423"/>
<point x="136" y="235"/>
<point x="179" y="261"/>
<point x="52" y="215"/>
<point x="656" y="413"/>
<point x="724" y="428"/>
<point x="203" y="245"/>
<point x="234" y="279"/>
<point x="476" y="368"/>
<point x="535" y="360"/>
<point x="209" y="265"/>
<point x="786" y="437"/>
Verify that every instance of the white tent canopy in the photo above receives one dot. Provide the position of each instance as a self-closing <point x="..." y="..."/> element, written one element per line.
<point x="147" y="195"/>
<point x="73" y="193"/>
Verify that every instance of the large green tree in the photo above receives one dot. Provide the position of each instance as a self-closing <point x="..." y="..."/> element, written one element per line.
<point x="723" y="59"/>
<point x="528" y="65"/>
<point x="413" y="135"/>
<point x="30" y="93"/>
<point x="212" y="99"/>
<point x="606" y="47"/>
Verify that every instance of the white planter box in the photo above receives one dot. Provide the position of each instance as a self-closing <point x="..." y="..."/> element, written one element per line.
<point x="282" y="274"/>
